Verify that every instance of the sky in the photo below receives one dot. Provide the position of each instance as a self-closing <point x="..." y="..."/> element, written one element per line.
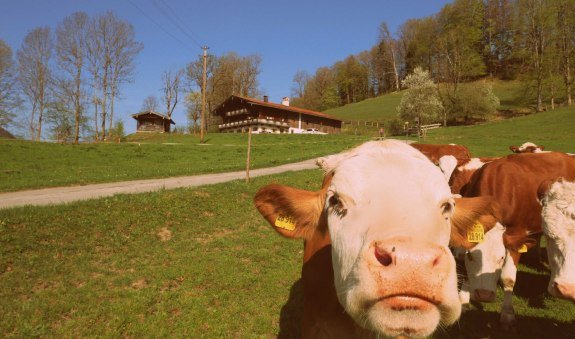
<point x="288" y="35"/>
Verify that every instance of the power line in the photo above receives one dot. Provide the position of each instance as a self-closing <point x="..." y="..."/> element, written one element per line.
<point x="186" y="29"/>
<point x="156" y="23"/>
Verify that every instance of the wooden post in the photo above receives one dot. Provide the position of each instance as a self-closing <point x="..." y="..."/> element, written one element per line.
<point x="249" y="154"/>
<point x="203" y="113"/>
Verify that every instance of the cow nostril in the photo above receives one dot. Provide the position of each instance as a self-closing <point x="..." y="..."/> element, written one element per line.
<point x="384" y="257"/>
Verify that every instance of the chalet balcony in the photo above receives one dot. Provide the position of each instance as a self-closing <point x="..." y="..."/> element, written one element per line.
<point x="263" y="122"/>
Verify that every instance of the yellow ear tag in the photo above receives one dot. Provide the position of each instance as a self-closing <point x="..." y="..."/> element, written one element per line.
<point x="522" y="249"/>
<point x="476" y="233"/>
<point x="285" y="222"/>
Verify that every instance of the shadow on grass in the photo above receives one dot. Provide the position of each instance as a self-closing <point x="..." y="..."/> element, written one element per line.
<point x="475" y="324"/>
<point x="291" y="313"/>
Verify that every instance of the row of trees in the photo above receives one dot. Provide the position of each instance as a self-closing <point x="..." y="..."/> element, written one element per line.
<point x="229" y="74"/>
<point x="527" y="39"/>
<point x="59" y="75"/>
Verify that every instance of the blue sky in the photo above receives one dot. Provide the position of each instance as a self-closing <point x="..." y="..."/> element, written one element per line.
<point x="288" y="35"/>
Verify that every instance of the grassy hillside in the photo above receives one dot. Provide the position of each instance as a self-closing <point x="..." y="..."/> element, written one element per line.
<point x="190" y="263"/>
<point x="27" y="164"/>
<point x="510" y="93"/>
<point x="552" y="129"/>
<point x="379" y="108"/>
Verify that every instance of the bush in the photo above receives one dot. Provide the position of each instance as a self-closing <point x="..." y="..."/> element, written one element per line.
<point x="475" y="101"/>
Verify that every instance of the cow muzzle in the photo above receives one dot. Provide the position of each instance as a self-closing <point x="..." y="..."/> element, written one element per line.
<point x="413" y="287"/>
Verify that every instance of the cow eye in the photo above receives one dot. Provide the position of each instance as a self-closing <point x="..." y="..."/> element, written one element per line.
<point x="447" y="208"/>
<point x="336" y="205"/>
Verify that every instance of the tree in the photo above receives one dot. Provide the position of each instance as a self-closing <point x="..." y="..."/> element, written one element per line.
<point x="473" y="101"/>
<point x="193" y="103"/>
<point x="565" y="21"/>
<point x="9" y="99"/>
<point x="300" y="80"/>
<point x="150" y="104"/>
<point x="459" y="47"/>
<point x="112" y="49"/>
<point x="227" y="75"/>
<point x="35" y="75"/>
<point x="172" y="88"/>
<point x="421" y="101"/>
<point x="390" y="53"/>
<point x="71" y="51"/>
<point x="534" y="23"/>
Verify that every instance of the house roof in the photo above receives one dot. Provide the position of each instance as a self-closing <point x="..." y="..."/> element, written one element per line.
<point x="277" y="106"/>
<point x="137" y="115"/>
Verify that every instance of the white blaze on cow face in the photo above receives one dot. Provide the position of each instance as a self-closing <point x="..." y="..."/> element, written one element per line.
<point x="558" y="215"/>
<point x="388" y="211"/>
<point x="484" y="263"/>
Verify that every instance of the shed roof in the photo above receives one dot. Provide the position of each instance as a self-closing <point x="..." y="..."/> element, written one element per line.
<point x="277" y="106"/>
<point x="137" y="115"/>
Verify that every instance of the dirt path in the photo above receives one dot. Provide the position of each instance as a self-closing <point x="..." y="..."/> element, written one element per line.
<point x="58" y="195"/>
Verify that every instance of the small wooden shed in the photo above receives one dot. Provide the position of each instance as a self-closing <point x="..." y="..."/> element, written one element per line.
<point x="149" y="121"/>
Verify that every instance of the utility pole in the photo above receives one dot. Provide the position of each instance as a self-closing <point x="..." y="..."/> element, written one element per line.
<point x="203" y="114"/>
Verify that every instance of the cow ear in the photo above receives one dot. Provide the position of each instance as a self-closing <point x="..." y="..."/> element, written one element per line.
<point x="543" y="188"/>
<point x="514" y="149"/>
<point x="292" y="212"/>
<point x="468" y="213"/>
<point x="518" y="242"/>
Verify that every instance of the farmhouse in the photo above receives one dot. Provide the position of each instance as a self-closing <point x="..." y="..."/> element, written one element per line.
<point x="239" y="114"/>
<point x="149" y="121"/>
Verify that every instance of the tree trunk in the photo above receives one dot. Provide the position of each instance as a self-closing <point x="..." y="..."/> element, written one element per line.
<point x="77" y="107"/>
<point x="96" y="120"/>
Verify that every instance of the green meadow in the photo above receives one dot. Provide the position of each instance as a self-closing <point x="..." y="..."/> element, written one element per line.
<point x="202" y="262"/>
<point x="27" y="164"/>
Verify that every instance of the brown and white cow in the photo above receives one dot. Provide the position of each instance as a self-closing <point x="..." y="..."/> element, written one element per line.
<point x="376" y="235"/>
<point x="513" y="182"/>
<point x="558" y="214"/>
<point x="434" y="152"/>
<point x="528" y="147"/>
<point x="459" y="172"/>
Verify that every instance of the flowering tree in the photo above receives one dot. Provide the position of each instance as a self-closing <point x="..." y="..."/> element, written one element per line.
<point x="421" y="100"/>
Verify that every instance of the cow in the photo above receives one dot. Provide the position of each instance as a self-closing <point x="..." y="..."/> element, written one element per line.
<point x="376" y="235"/>
<point x="435" y="152"/>
<point x="558" y="216"/>
<point x="513" y="182"/>
<point x="528" y="147"/>
<point x="458" y="173"/>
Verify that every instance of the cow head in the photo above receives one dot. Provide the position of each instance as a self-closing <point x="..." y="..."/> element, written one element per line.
<point x="527" y="147"/>
<point x="484" y="263"/>
<point x="558" y="223"/>
<point x="387" y="210"/>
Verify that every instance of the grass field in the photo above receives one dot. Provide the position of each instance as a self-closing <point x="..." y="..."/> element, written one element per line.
<point x="383" y="108"/>
<point x="553" y="129"/>
<point x="26" y="164"/>
<point x="188" y="263"/>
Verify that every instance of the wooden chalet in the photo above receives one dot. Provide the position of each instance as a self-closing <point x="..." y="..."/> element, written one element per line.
<point x="149" y="121"/>
<point x="238" y="114"/>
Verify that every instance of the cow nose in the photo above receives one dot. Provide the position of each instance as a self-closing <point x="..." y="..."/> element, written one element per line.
<point x="484" y="295"/>
<point x="405" y="253"/>
<point x="562" y="290"/>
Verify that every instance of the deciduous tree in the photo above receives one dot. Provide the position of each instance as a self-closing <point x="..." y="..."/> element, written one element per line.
<point x="420" y="102"/>
<point x="71" y="36"/>
<point x="9" y="99"/>
<point x="35" y="74"/>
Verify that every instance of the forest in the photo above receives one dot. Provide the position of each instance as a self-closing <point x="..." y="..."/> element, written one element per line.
<point x="532" y="41"/>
